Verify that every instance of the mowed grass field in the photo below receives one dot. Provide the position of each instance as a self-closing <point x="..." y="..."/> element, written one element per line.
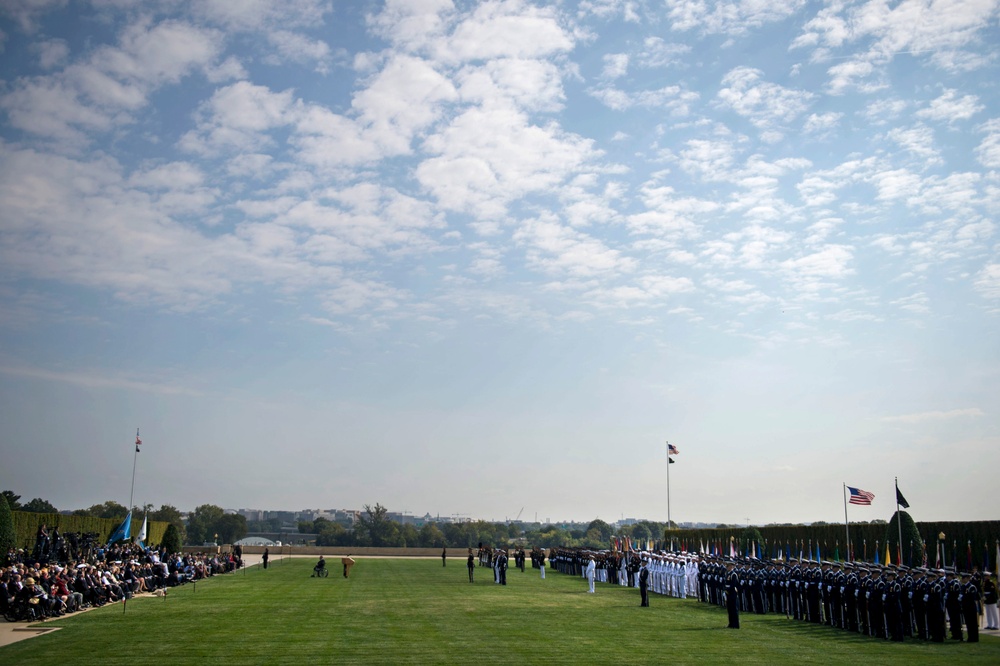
<point x="407" y="611"/>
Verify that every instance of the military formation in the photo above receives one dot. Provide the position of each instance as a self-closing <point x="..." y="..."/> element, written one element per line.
<point x="884" y="602"/>
<point x="887" y="602"/>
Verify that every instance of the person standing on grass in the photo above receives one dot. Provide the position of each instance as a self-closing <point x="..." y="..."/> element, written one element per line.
<point x="732" y="580"/>
<point x="541" y="566"/>
<point x="264" y="558"/>
<point x="990" y="601"/>
<point x="472" y="565"/>
<point x="444" y="556"/>
<point x="644" y="583"/>
<point x="970" y="608"/>
<point x="590" y="571"/>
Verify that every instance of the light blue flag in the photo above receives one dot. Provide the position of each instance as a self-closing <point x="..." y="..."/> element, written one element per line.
<point x="123" y="531"/>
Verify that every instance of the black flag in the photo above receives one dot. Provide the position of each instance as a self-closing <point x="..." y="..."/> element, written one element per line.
<point x="672" y="461"/>
<point x="900" y="500"/>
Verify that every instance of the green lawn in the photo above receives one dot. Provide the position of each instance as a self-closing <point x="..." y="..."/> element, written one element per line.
<point x="416" y="611"/>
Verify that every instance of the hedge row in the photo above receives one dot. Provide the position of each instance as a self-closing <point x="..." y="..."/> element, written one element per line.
<point x="26" y="527"/>
<point x="981" y="537"/>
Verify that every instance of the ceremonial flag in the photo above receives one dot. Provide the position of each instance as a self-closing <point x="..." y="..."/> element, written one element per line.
<point x="969" y="567"/>
<point x="123" y="531"/>
<point x="888" y="560"/>
<point x="818" y="557"/>
<point x="138" y="442"/>
<point x="900" y="500"/>
<point x="672" y="449"/>
<point x="672" y="461"/>
<point x="876" y="554"/>
<point x="142" y="533"/>
<point x="860" y="496"/>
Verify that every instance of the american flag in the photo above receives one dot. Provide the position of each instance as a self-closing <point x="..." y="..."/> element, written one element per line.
<point x="672" y="449"/>
<point x="138" y="442"/>
<point x="859" y="496"/>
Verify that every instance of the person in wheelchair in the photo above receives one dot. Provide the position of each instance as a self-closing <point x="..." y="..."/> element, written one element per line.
<point x="320" y="569"/>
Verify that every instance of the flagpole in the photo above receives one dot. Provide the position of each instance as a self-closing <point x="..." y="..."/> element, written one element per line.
<point x="135" y="458"/>
<point x="847" y="526"/>
<point x="669" y="529"/>
<point x="899" y="520"/>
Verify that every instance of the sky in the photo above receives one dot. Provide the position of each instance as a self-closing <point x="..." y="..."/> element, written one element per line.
<point x="484" y="259"/>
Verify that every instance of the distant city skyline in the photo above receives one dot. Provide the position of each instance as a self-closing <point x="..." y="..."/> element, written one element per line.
<point x="484" y="255"/>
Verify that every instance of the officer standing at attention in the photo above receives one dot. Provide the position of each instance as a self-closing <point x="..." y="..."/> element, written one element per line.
<point x="969" y="599"/>
<point x="590" y="572"/>
<point x="472" y="565"/>
<point x="732" y="595"/>
<point x="644" y="583"/>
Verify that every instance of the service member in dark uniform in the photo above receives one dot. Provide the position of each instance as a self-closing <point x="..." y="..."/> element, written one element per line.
<point x="732" y="595"/>
<point x="892" y="606"/>
<point x="970" y="607"/>
<point x="935" y="605"/>
<point x="471" y="565"/>
<point x="644" y="584"/>
<point x="953" y="604"/>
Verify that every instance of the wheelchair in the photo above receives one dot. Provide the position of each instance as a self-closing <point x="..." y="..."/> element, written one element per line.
<point x="320" y="572"/>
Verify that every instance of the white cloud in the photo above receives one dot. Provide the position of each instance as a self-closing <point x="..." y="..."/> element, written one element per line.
<point x="833" y="261"/>
<point x="296" y="47"/>
<point x="615" y="65"/>
<point x="918" y="141"/>
<point x="532" y="85"/>
<point x="987" y="282"/>
<point x="766" y="105"/>
<point x="404" y="98"/>
<point x="934" y="415"/>
<point x="822" y="123"/>
<point x="988" y="151"/>
<point x="728" y="16"/>
<point x="557" y="249"/>
<point x="950" y="108"/>
<point x="486" y="157"/>
<point x="508" y="29"/>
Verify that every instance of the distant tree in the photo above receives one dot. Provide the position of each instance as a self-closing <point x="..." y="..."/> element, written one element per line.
<point x="408" y="536"/>
<point x="8" y="538"/>
<point x="603" y="530"/>
<point x="640" y="532"/>
<point x="38" y="505"/>
<point x="109" y="509"/>
<point x="170" y="514"/>
<point x="748" y="537"/>
<point x="201" y="523"/>
<point x="333" y="534"/>
<point x="230" y="527"/>
<point x="319" y="524"/>
<point x="912" y="546"/>
<point x="12" y="500"/>
<point x="304" y="526"/>
<point x="171" y="539"/>
<point x="375" y="525"/>
<point x="721" y="526"/>
<point x="431" y="536"/>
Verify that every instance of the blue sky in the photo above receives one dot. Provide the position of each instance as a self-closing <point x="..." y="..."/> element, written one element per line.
<point x="461" y="258"/>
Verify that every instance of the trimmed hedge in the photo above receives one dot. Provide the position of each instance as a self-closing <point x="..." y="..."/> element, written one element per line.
<point x="26" y="527"/>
